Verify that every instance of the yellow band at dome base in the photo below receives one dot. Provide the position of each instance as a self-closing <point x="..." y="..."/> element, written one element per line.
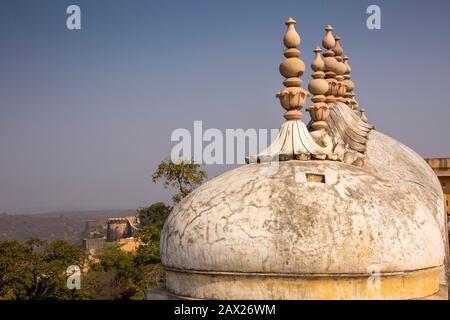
<point x="253" y="286"/>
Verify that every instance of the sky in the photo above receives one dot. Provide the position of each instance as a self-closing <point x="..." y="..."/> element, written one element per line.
<point x="86" y="115"/>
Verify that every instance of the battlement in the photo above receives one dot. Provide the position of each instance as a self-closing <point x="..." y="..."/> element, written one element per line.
<point x="120" y="228"/>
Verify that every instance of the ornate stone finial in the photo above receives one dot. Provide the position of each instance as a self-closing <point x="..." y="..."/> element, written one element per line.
<point x="293" y="97"/>
<point x="349" y="85"/>
<point x="337" y="133"/>
<point x="349" y="69"/>
<point x="331" y="64"/>
<point x="338" y="51"/>
<point x="340" y="89"/>
<point x="362" y="115"/>
<point x="328" y="41"/>
<point x="349" y="95"/>
<point x="319" y="110"/>
<point x="317" y="63"/>
<point x="291" y="37"/>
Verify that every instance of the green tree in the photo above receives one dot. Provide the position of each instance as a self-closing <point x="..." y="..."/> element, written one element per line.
<point x="37" y="269"/>
<point x="147" y="258"/>
<point x="155" y="215"/>
<point x="18" y="264"/>
<point x="112" y="258"/>
<point x="182" y="175"/>
<point x="148" y="251"/>
<point x="133" y="273"/>
<point x="64" y="253"/>
<point x="143" y="270"/>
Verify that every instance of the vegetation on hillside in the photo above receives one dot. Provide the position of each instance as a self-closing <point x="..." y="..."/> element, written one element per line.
<point x="52" y="226"/>
<point x="36" y="269"/>
<point x="182" y="175"/>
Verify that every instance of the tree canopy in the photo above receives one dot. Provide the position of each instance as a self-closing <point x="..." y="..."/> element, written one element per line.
<point x="155" y="215"/>
<point x="182" y="175"/>
<point x="37" y="269"/>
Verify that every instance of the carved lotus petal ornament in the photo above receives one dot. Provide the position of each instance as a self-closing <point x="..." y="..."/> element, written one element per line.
<point x="292" y="97"/>
<point x="319" y="111"/>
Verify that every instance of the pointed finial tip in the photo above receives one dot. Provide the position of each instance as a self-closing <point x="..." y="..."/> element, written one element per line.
<point x="290" y="21"/>
<point x="337" y="38"/>
<point x="317" y="49"/>
<point x="329" y="28"/>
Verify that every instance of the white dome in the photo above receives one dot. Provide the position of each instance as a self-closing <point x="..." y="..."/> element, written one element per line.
<point x="276" y="235"/>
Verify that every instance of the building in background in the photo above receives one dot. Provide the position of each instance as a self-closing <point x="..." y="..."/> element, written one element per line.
<point x="441" y="167"/>
<point x="120" y="228"/>
<point x="120" y="231"/>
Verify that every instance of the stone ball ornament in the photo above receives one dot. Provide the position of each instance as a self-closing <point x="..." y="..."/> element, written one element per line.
<point x="292" y="67"/>
<point x="318" y="86"/>
<point x="331" y="64"/>
<point x="340" y="68"/>
<point x="349" y="84"/>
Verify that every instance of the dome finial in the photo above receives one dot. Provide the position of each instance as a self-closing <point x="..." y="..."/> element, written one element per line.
<point x="338" y="50"/>
<point x="291" y="37"/>
<point x="341" y="69"/>
<point x="292" y="98"/>
<point x="319" y="111"/>
<point x="317" y="64"/>
<point x="328" y="41"/>
<point x="331" y="64"/>
<point x="349" y="95"/>
<point x="294" y="140"/>
<point x="349" y="85"/>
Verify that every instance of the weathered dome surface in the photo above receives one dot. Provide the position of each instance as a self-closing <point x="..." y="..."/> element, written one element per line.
<point x="267" y="233"/>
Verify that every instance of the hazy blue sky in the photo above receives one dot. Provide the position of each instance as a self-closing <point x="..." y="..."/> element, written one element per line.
<point x="85" y="116"/>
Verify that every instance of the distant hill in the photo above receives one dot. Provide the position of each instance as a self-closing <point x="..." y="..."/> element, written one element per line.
<point x="68" y="225"/>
